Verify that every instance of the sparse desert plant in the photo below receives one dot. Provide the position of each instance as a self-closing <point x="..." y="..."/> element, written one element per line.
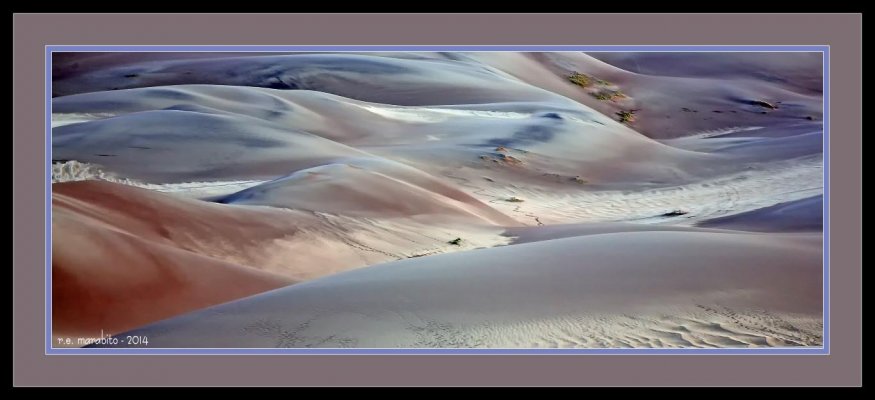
<point x="608" y="95"/>
<point x="580" y="79"/>
<point x="457" y="241"/>
<point x="626" y="116"/>
<point x="514" y="199"/>
<point x="603" y="95"/>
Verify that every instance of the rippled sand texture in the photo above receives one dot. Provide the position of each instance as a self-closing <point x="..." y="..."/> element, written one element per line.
<point x="439" y="199"/>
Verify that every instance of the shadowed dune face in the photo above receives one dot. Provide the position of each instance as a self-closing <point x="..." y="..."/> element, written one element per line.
<point x="364" y="77"/>
<point x="67" y="64"/>
<point x="496" y="199"/>
<point x="111" y="282"/>
<point x="121" y="261"/>
<point x="793" y="216"/>
<point x="757" y="144"/>
<point x="801" y="71"/>
<point x="189" y="224"/>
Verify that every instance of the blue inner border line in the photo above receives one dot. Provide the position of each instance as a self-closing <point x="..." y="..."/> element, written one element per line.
<point x="49" y="350"/>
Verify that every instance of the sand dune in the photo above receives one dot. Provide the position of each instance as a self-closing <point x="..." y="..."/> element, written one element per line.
<point x="364" y="77"/>
<point x="757" y="187"/>
<point x="675" y="289"/>
<point x="528" y="234"/>
<point x="268" y="123"/>
<point x="294" y="243"/>
<point x="155" y="255"/>
<point x="758" y="144"/>
<point x="689" y="100"/>
<point x="116" y="266"/>
<point x="168" y="146"/>
<point x="478" y="199"/>
<point x="799" y="70"/>
<point x="68" y="64"/>
<point x="717" y="89"/>
<point x="368" y="187"/>
<point x="794" y="216"/>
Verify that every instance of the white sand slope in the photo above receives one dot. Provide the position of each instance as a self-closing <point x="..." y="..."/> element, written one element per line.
<point x="630" y="289"/>
<point x="75" y="171"/>
<point x="763" y="185"/>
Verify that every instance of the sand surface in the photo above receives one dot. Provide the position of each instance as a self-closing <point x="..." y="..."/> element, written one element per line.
<point x="579" y="291"/>
<point x="439" y="199"/>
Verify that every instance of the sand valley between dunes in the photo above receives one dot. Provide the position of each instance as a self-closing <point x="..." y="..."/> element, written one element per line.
<point x="439" y="200"/>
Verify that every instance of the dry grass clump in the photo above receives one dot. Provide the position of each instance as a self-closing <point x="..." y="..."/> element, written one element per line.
<point x="580" y="79"/>
<point x="626" y="116"/>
